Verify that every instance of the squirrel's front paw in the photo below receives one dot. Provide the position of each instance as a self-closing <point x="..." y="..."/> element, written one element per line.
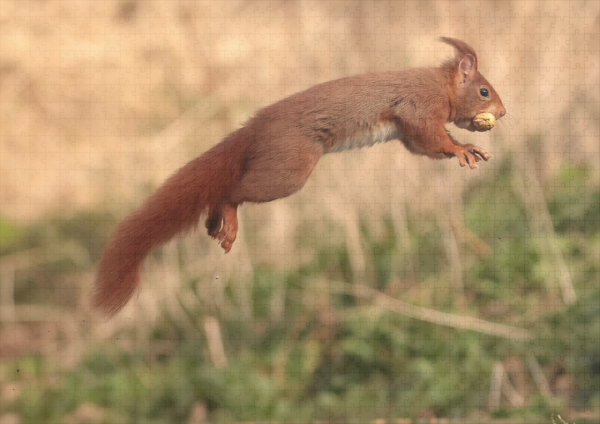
<point x="467" y="158"/>
<point x="478" y="151"/>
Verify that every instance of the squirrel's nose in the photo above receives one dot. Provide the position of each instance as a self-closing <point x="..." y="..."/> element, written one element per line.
<point x="502" y="113"/>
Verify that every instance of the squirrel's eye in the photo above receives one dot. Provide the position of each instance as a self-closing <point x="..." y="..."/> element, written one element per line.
<point x="484" y="92"/>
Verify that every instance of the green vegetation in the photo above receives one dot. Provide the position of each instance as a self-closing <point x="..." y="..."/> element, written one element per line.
<point x="333" y="354"/>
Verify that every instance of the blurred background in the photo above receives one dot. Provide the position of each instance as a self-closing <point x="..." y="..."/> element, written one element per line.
<point x="391" y="288"/>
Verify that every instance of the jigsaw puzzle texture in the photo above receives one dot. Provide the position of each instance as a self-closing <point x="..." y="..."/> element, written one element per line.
<point x="391" y="288"/>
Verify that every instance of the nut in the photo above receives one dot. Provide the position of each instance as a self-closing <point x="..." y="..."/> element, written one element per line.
<point x="484" y="121"/>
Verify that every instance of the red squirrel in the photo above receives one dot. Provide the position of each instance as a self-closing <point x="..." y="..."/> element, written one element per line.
<point x="274" y="153"/>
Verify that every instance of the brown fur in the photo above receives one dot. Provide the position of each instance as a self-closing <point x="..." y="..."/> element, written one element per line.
<point x="273" y="155"/>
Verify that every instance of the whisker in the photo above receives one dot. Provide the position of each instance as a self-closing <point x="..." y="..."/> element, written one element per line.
<point x="511" y="120"/>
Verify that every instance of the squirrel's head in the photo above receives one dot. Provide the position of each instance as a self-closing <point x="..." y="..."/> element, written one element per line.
<point x="471" y="92"/>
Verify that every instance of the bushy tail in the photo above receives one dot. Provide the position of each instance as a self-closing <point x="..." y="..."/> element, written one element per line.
<point x="173" y="209"/>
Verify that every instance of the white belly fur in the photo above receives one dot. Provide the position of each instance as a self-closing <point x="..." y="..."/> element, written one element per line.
<point x="378" y="134"/>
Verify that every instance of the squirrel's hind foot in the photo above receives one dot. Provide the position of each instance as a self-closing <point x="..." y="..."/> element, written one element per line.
<point x="222" y="224"/>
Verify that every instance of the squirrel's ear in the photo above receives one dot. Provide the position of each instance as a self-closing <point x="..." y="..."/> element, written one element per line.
<point x="467" y="68"/>
<point x="464" y="63"/>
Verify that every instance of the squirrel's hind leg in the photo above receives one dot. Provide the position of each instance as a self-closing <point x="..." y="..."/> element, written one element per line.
<point x="228" y="231"/>
<point x="222" y="224"/>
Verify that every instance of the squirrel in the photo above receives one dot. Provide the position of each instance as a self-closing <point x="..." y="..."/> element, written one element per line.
<point x="274" y="153"/>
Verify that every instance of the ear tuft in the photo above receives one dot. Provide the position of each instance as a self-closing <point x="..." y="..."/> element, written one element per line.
<point x="462" y="49"/>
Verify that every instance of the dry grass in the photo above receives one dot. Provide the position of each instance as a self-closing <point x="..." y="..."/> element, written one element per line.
<point x="102" y="100"/>
<point x="560" y="420"/>
<point x="87" y="86"/>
